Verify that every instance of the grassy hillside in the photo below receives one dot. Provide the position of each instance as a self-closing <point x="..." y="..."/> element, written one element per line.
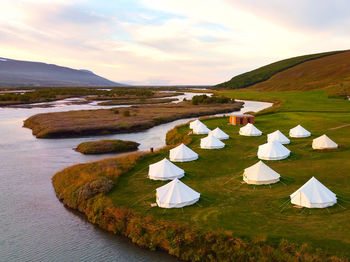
<point x="265" y="72"/>
<point x="331" y="73"/>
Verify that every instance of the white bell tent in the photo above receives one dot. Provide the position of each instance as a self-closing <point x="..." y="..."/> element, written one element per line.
<point x="249" y="130"/>
<point x="211" y="142"/>
<point x="273" y="151"/>
<point x="260" y="174"/>
<point x="182" y="153"/>
<point x="164" y="170"/>
<point x="313" y="194"/>
<point x="194" y="123"/>
<point x="324" y="142"/>
<point x="219" y="134"/>
<point x="176" y="194"/>
<point x="201" y="129"/>
<point x="278" y="136"/>
<point x="299" y="132"/>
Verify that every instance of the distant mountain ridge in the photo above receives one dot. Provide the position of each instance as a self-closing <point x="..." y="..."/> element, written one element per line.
<point x="26" y="73"/>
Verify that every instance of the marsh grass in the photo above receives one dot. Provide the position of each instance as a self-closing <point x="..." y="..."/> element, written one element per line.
<point x="130" y="119"/>
<point x="107" y="146"/>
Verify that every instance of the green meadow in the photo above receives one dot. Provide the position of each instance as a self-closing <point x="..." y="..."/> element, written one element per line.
<point x="260" y="212"/>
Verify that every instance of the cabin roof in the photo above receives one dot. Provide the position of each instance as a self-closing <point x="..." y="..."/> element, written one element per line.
<point x="242" y="115"/>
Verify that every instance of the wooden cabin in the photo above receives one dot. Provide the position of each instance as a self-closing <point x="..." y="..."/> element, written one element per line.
<point x="241" y="119"/>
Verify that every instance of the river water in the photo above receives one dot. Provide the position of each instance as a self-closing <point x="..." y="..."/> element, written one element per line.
<point x="34" y="225"/>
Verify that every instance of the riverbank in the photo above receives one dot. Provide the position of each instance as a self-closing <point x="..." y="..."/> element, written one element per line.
<point x="50" y="94"/>
<point x="118" y="120"/>
<point x="137" y="101"/>
<point x="229" y="212"/>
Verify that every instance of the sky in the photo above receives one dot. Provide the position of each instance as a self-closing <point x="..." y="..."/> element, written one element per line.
<point x="170" y="42"/>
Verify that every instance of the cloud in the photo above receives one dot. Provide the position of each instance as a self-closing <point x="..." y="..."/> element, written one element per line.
<point x="169" y="42"/>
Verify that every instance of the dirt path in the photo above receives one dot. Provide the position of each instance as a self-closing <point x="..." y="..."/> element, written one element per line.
<point x="338" y="127"/>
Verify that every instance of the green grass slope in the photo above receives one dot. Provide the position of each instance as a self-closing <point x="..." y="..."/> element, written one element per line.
<point x="331" y="73"/>
<point x="263" y="73"/>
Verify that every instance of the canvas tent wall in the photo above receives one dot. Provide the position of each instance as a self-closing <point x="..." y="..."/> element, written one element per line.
<point x="273" y="151"/>
<point x="324" y="142"/>
<point x="299" y="132"/>
<point x="260" y="174"/>
<point x="201" y="129"/>
<point x="194" y="123"/>
<point x="219" y="134"/>
<point x="176" y="194"/>
<point x="249" y="130"/>
<point x="211" y="142"/>
<point x="164" y="170"/>
<point x="313" y="194"/>
<point x="182" y="153"/>
<point x="279" y="137"/>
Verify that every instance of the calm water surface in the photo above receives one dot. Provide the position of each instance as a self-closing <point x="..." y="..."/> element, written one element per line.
<point x="34" y="225"/>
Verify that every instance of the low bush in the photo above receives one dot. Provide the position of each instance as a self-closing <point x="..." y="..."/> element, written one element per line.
<point x="204" y="99"/>
<point x="126" y="113"/>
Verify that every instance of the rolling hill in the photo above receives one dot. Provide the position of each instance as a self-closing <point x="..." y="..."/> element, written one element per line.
<point x="266" y="72"/>
<point x="331" y="73"/>
<point x="25" y="73"/>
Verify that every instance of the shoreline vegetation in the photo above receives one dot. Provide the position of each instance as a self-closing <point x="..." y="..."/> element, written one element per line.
<point x="118" y="120"/>
<point x="233" y="222"/>
<point x="137" y="101"/>
<point x="107" y="146"/>
<point x="138" y="94"/>
<point x="50" y="94"/>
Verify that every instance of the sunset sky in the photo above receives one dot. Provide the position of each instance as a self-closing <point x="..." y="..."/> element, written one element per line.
<point x="170" y="41"/>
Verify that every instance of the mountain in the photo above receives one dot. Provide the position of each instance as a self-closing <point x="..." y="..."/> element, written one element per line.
<point x="266" y="72"/>
<point x="25" y="73"/>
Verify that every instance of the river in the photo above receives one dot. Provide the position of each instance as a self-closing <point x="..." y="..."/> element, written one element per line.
<point x="34" y="225"/>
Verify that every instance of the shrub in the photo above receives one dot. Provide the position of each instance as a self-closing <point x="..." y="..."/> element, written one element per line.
<point x="126" y="113"/>
<point x="204" y="99"/>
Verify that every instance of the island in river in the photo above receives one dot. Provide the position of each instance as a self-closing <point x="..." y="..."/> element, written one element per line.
<point x="106" y="146"/>
<point x="118" y="120"/>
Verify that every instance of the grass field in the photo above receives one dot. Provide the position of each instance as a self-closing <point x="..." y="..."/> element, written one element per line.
<point x="261" y="211"/>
